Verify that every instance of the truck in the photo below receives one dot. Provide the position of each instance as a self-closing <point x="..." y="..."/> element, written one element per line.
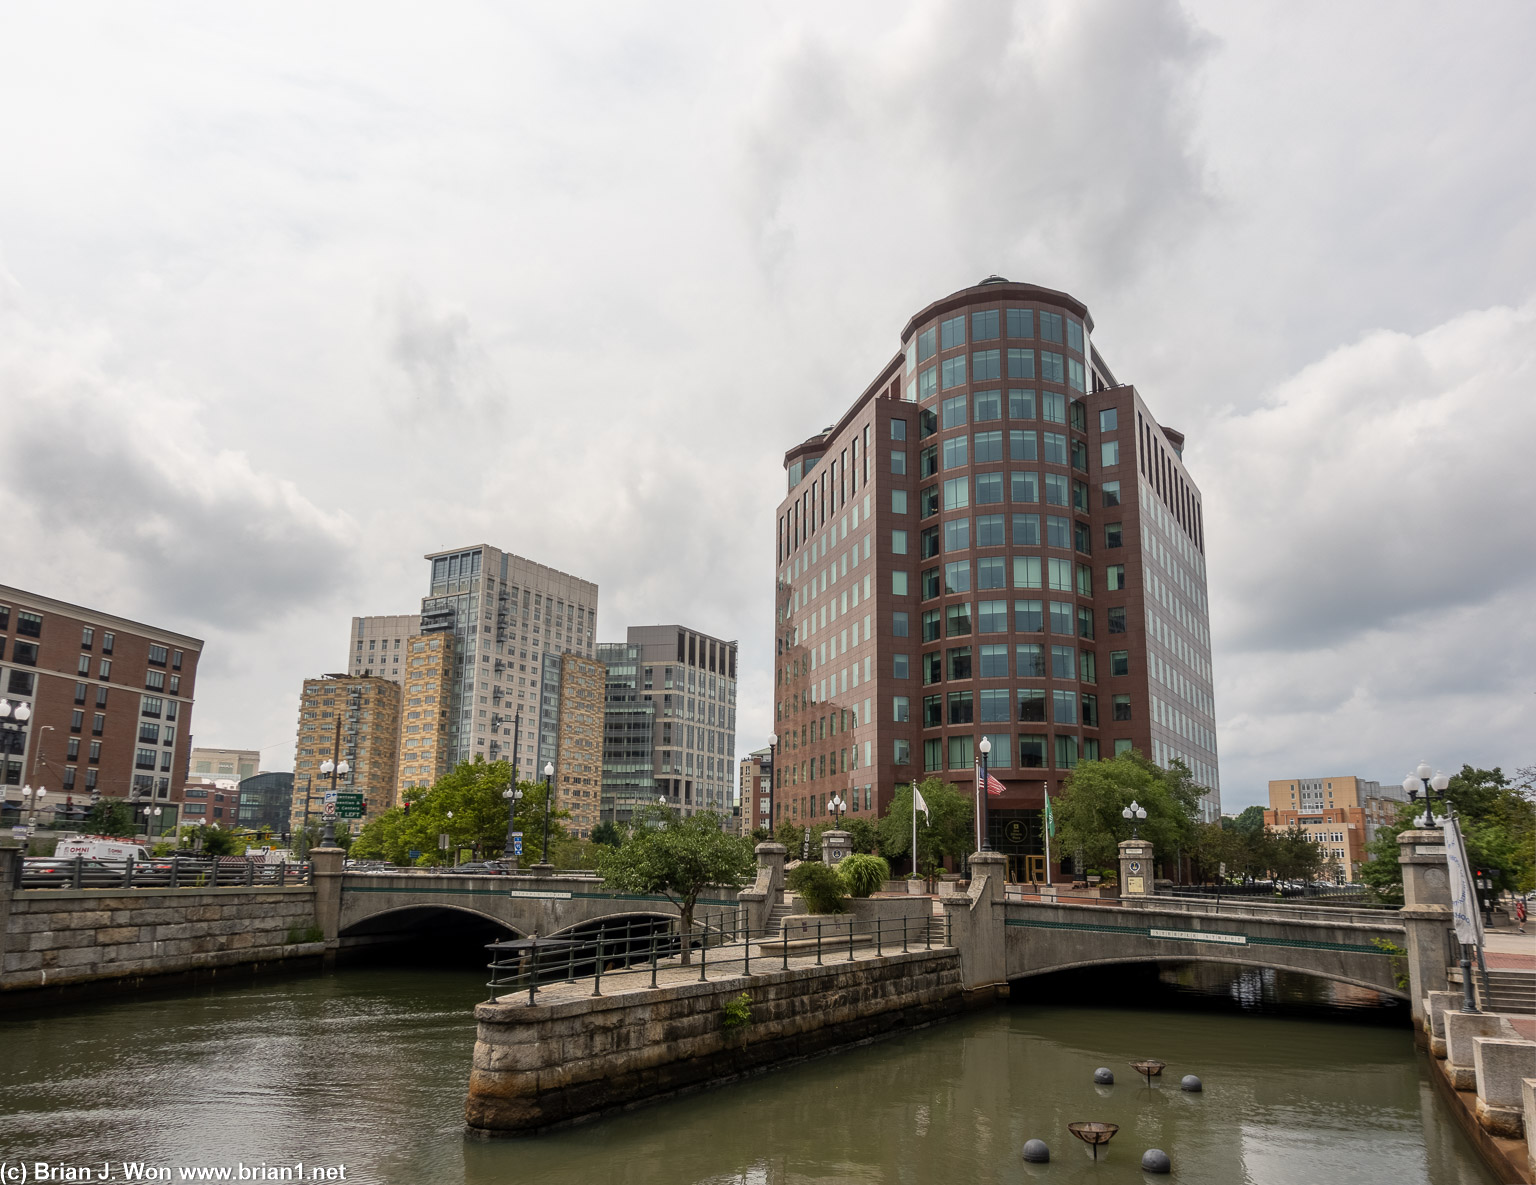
<point x="98" y="847"/>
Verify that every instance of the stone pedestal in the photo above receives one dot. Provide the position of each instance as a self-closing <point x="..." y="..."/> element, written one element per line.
<point x="1426" y="914"/>
<point x="1500" y="1064"/>
<point x="1436" y="1005"/>
<point x="978" y="935"/>
<point x="835" y="845"/>
<point x="1135" y="868"/>
<point x="768" y="890"/>
<point x="1461" y="1029"/>
<point x="325" y="874"/>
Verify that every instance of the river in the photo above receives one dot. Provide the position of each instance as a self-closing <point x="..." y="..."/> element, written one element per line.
<point x="366" y="1068"/>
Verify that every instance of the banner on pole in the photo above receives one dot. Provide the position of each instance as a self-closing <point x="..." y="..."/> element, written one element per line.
<point x="1465" y="914"/>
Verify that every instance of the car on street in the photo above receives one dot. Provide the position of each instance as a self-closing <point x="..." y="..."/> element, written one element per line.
<point x="48" y="872"/>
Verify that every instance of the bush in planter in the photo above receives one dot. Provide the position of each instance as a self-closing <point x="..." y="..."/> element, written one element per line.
<point x="820" y="886"/>
<point x="863" y="874"/>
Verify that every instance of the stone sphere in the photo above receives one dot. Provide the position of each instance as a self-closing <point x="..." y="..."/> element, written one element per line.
<point x="1155" y="1160"/>
<point x="1036" y="1152"/>
<point x="1104" y="1076"/>
<point x="1190" y="1083"/>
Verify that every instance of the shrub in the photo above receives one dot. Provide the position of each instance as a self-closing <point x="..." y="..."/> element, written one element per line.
<point x="863" y="874"/>
<point x="737" y="1012"/>
<point x="821" y="887"/>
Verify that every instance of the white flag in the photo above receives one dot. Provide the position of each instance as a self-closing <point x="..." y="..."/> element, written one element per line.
<point x="1464" y="912"/>
<point x="919" y="804"/>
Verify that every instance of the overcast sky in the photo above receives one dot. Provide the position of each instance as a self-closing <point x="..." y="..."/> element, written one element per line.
<point x="290" y="295"/>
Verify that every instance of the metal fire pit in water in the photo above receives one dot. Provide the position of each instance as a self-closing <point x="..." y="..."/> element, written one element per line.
<point x="1093" y="1134"/>
<point x="1151" y="1068"/>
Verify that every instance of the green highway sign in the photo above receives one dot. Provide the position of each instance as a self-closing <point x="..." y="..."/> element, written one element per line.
<point x="349" y="806"/>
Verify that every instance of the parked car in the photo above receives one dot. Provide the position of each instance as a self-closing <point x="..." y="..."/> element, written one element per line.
<point x="479" y="869"/>
<point x="48" y="872"/>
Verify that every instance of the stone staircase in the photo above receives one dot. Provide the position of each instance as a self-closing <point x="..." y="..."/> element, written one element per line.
<point x="776" y="918"/>
<point x="1508" y="991"/>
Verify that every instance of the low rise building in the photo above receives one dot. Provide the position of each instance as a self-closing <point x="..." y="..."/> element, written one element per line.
<point x="224" y="763"/>
<point x="1340" y="813"/>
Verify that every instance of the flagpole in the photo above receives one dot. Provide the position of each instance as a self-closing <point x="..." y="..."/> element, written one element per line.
<point x="914" y="827"/>
<point x="1046" y="821"/>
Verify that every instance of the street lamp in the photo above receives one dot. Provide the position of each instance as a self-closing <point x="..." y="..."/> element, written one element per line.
<point x="773" y="764"/>
<point x="149" y="826"/>
<point x="1135" y="813"/>
<point x="1420" y="782"/>
<point x="31" y="799"/>
<point x="549" y="792"/>
<point x="836" y="806"/>
<point x="984" y="748"/>
<point x="332" y="770"/>
<point x="514" y="795"/>
<point x="22" y="711"/>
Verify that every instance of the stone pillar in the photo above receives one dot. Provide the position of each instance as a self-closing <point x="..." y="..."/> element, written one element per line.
<point x="768" y="890"/>
<point x="10" y="858"/>
<point x="1426" y="914"/>
<point x="325" y="876"/>
<point x="835" y="845"/>
<point x="976" y="928"/>
<point x="1135" y="868"/>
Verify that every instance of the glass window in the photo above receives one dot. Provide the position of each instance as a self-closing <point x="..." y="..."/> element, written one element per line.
<point x="1109" y="420"/>
<point x="1085" y="622"/>
<point x="930" y="583"/>
<point x="952" y="333"/>
<point x="1064" y="707"/>
<point x="901" y="752"/>
<point x="898" y="543"/>
<point x="898" y="429"/>
<point x="993" y="707"/>
<point x="955" y="449"/>
<point x="928" y="502"/>
<point x="1050" y="326"/>
<point x="1074" y="335"/>
<point x="1123" y="746"/>
<point x="1021" y="405"/>
<point x="1021" y="323"/>
<point x="961" y="753"/>
<point x="1119" y="662"/>
<point x="901" y="709"/>
<point x="933" y="711"/>
<point x="1066" y="752"/>
<point x="928" y="460"/>
<point x="928" y="383"/>
<point x="1112" y="535"/>
<point x="927" y="422"/>
<point x="1087" y="667"/>
<point x="933" y="668"/>
<point x="900" y="666"/>
<point x="992" y="572"/>
<point x="989" y="489"/>
<point x="958" y="661"/>
<point x="1053" y="407"/>
<point x="1121" y="707"/>
<point x="1055" y="447"/>
<point x="1024" y="486"/>
<point x="927" y="344"/>
<point x="1021" y="364"/>
<point x="987" y="405"/>
<point x="957" y="620"/>
<point x="993" y="662"/>
<point x="989" y="447"/>
<point x="957" y="576"/>
<point x="1109" y="453"/>
<point x="989" y="531"/>
<point x="899" y="583"/>
<point x="1079" y="415"/>
<point x="932" y="625"/>
<point x="898" y="501"/>
<point x="1026" y="530"/>
<point x="1082" y="538"/>
<point x="928" y="543"/>
<point x="1023" y="445"/>
<point x="1028" y="617"/>
<point x="900" y="623"/>
<point x="1084" y="580"/>
<point x="954" y="412"/>
<point x="1080" y="455"/>
<point x="1026" y="571"/>
<point x="1117" y="620"/>
<point x="1110" y="493"/>
<point x="1059" y="573"/>
<point x="1075" y="377"/>
<point x="1080" y="496"/>
<point x="1057" y="488"/>
<point x="1031" y="752"/>
<point x="984" y="325"/>
<point x="1058" y="531"/>
<point x="1114" y="577"/>
<point x="956" y="493"/>
<point x="992" y="617"/>
<point x="1061" y="617"/>
<point x="986" y="365"/>
<point x="1029" y="660"/>
<point x="933" y="754"/>
<point x="1031" y="705"/>
<point x="898" y="460"/>
<point x="953" y="372"/>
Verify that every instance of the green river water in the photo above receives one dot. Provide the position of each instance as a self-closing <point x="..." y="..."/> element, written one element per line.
<point x="366" y="1068"/>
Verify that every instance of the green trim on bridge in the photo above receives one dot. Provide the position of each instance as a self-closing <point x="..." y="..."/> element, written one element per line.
<point x="1215" y="937"/>
<point x="529" y="895"/>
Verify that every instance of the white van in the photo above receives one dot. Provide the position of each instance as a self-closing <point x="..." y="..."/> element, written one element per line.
<point x="99" y="847"/>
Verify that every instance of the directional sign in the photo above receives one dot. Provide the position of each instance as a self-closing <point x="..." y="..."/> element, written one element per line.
<point x="517" y="843"/>
<point x="330" y="804"/>
<point x="349" y="806"/>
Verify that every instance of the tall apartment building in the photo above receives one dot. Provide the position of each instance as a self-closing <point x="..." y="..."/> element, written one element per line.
<point x="224" y="763"/>
<point x="108" y="705"/>
<point x="579" y="757"/>
<point x="996" y="539"/>
<point x="1340" y="813"/>
<point x="756" y="770"/>
<point x="511" y="620"/>
<point x="684" y="687"/>
<point x="378" y="644"/>
<point x="424" y="742"/>
<point x="368" y="707"/>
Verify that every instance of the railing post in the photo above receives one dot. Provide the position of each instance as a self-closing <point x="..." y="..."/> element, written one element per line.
<point x="597" y="985"/>
<point x="818" y="943"/>
<point x="903" y="933"/>
<point x="850" y="940"/>
<point x="128" y="873"/>
<point x="928" y="930"/>
<point x="784" y="930"/>
<point x="175" y="870"/>
<point x="653" y="954"/>
<point x="747" y="952"/>
<point x="250" y="872"/>
<point x="703" y="952"/>
<point x="879" y="938"/>
<point x="570" y="963"/>
<point x="78" y="878"/>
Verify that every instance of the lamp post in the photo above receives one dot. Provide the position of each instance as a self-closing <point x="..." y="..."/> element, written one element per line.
<point x="984" y="748"/>
<point x="549" y="793"/>
<point x="20" y="713"/>
<point x="1419" y="782"/>
<point x="773" y="767"/>
<point x="1135" y="813"/>
<point x="836" y="806"/>
<point x="514" y="795"/>
<point x="333" y="770"/>
<point x="31" y="798"/>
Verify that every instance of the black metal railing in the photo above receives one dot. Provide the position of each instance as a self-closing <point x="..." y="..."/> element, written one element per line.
<point x="720" y="946"/>
<point x="158" y="872"/>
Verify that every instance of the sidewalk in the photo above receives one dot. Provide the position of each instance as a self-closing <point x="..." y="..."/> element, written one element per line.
<point x="1509" y="950"/>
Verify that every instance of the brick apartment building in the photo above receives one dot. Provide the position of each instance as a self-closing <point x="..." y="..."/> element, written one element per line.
<point x="109" y="703"/>
<point x="1340" y="813"/>
<point x="996" y="539"/>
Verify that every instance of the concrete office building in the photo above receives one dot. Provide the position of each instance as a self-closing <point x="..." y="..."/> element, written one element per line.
<point x="1341" y="813"/>
<point x="511" y="620"/>
<point x="108" y="707"/>
<point x="683" y="690"/>
<point x="424" y="742"/>
<point x="368" y="707"/>
<point x="996" y="539"/>
<point x="378" y="644"/>
<point x="224" y="763"/>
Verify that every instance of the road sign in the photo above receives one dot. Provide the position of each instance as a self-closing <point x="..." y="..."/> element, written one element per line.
<point x="442" y="841"/>
<point x="414" y="854"/>
<point x="517" y="843"/>
<point x="329" y="809"/>
<point x="349" y="806"/>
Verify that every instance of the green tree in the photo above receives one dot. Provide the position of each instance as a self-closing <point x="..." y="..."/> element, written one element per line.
<point x="792" y="836"/>
<point x="1250" y="821"/>
<point x="947" y="831"/>
<point x="110" y="816"/>
<point x="1293" y="855"/>
<point x="679" y="859"/>
<point x="1088" y="813"/>
<point x="609" y="834"/>
<point x="863" y="835"/>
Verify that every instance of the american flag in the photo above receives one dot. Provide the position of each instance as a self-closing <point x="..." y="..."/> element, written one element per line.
<point x="993" y="786"/>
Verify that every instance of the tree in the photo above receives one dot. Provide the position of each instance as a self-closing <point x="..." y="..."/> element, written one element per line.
<point x="110" y="816"/>
<point x="863" y="835"/>
<point x="1088" y="813"/>
<point x="1249" y="822"/>
<point x="792" y="836"/>
<point x="947" y="830"/>
<point x="1293" y="855"/>
<point x="679" y="859"/>
<point x="608" y="834"/>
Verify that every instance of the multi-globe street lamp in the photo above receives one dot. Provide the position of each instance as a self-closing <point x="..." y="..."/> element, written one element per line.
<point x="836" y="806"/>
<point x="31" y="799"/>
<point x="332" y="770"/>
<point x="514" y="795"/>
<point x="1420" y="781"/>
<point x="1135" y="813"/>
<point x="773" y="765"/>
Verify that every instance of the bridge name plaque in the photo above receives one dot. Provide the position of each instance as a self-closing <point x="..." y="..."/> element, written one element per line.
<point x="1200" y="936"/>
<point x="541" y="895"/>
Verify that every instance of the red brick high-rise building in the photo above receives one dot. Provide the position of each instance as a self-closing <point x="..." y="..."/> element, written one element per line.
<point x="997" y="539"/>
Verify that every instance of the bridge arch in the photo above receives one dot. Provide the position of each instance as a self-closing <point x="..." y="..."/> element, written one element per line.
<point x="1248" y="961"/>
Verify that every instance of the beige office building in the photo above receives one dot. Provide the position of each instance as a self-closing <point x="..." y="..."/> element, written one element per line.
<point x="579" y="765"/>
<point x="424" y="750"/>
<point x="378" y="644"/>
<point x="1340" y="813"/>
<point x="238" y="764"/>
<point x="368" y="708"/>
